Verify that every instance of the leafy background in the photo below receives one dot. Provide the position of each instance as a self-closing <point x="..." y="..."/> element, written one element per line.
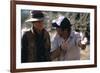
<point x="80" y="23"/>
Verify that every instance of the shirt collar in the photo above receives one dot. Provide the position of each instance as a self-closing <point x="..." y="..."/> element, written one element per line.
<point x="32" y="30"/>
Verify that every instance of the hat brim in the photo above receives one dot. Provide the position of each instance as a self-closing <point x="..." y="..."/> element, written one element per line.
<point x="55" y="25"/>
<point x="33" y="20"/>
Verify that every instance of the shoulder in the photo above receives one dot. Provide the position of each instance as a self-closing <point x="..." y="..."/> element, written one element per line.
<point x="75" y="34"/>
<point x="27" y="33"/>
<point x="57" y="39"/>
<point x="46" y="33"/>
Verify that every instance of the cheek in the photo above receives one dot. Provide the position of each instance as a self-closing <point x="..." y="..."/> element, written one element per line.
<point x="65" y="34"/>
<point x="59" y="32"/>
<point x="40" y="26"/>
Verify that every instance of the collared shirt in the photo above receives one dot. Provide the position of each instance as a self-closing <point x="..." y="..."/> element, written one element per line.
<point x="72" y="52"/>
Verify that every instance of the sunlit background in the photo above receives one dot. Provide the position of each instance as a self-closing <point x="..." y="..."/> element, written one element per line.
<point x="80" y="23"/>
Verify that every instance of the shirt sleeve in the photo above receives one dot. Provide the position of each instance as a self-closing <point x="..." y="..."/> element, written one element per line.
<point x="24" y="45"/>
<point x="77" y="38"/>
<point x="54" y="44"/>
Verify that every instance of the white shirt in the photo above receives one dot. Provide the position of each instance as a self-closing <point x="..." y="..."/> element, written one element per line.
<point x="72" y="52"/>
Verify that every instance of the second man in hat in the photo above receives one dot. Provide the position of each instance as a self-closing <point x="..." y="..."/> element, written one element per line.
<point x="67" y="43"/>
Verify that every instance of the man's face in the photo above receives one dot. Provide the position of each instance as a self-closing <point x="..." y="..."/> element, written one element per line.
<point x="63" y="33"/>
<point x="39" y="25"/>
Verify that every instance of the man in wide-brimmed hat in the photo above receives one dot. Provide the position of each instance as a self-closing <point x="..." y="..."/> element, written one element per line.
<point x="67" y="43"/>
<point x="36" y="42"/>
